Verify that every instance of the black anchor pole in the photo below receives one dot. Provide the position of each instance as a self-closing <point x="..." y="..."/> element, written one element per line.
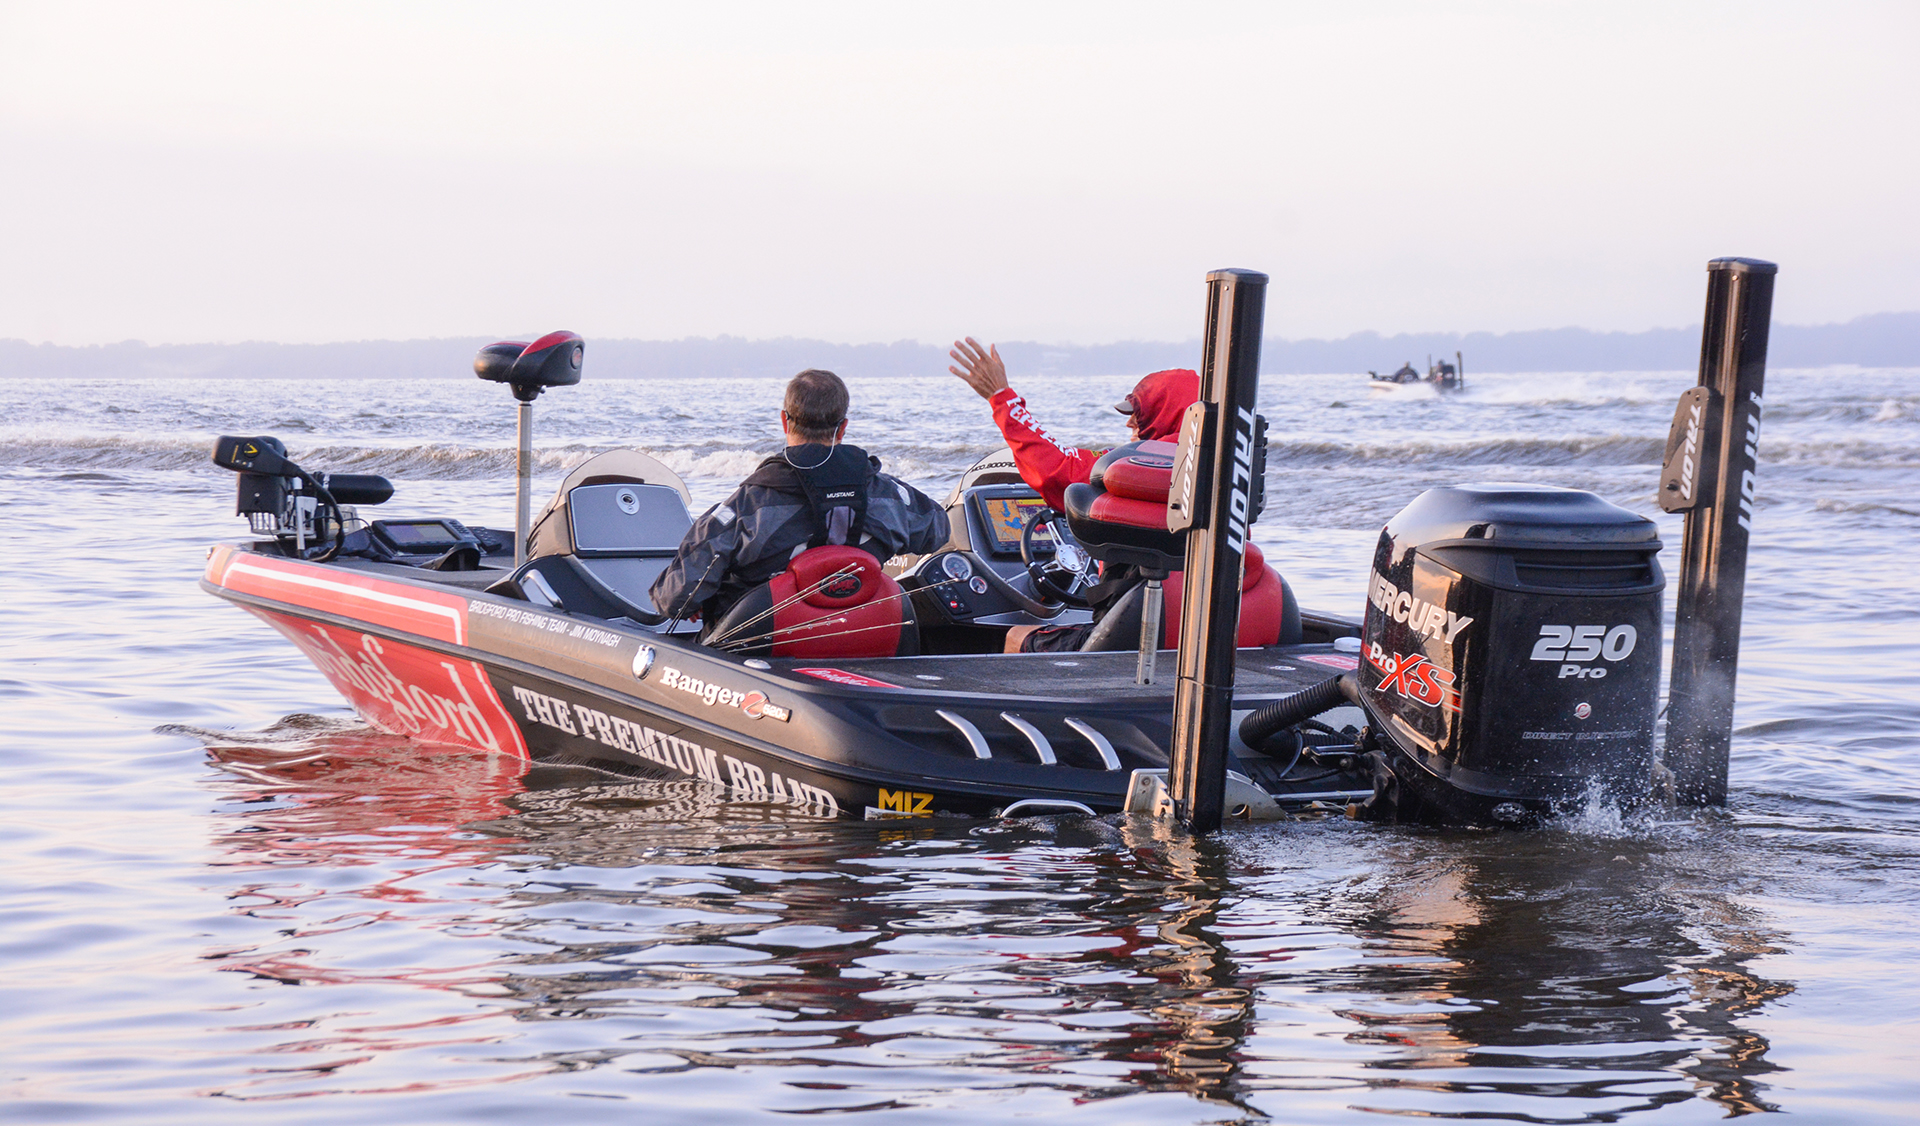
<point x="1216" y="496"/>
<point x="1713" y="459"/>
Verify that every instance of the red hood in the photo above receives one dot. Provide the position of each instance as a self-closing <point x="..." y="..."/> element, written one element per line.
<point x="1161" y="400"/>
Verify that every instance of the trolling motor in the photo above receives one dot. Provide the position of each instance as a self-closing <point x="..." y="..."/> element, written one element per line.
<point x="274" y="496"/>
<point x="552" y="361"/>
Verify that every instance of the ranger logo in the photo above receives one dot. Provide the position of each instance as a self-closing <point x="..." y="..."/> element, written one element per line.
<point x="710" y="694"/>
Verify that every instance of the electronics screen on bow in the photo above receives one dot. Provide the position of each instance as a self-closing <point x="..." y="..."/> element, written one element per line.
<point x="416" y="537"/>
<point x="1006" y="517"/>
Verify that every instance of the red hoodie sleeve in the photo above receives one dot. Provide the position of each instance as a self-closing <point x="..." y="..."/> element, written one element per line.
<point x="1045" y="462"/>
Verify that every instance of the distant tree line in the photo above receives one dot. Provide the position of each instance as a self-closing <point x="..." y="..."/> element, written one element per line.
<point x="1879" y="340"/>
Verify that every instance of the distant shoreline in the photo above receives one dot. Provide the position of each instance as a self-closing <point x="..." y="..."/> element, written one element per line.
<point x="1877" y="340"/>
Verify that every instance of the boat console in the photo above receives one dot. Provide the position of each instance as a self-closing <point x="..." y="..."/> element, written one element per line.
<point x="604" y="545"/>
<point x="991" y="519"/>
<point x="988" y="576"/>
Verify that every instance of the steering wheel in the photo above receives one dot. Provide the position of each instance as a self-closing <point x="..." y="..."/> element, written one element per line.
<point x="1065" y="577"/>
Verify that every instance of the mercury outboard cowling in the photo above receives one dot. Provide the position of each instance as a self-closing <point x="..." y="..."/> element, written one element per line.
<point x="1511" y="652"/>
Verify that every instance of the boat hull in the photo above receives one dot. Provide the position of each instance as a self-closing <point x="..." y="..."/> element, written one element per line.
<point x="853" y="739"/>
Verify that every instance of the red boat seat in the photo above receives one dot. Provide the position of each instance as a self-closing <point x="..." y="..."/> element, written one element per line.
<point x="1267" y="607"/>
<point x="1120" y="513"/>
<point x="1269" y="614"/>
<point x="1120" y="516"/>
<point x="831" y="601"/>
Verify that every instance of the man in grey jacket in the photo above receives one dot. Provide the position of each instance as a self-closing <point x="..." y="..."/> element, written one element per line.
<point x="816" y="491"/>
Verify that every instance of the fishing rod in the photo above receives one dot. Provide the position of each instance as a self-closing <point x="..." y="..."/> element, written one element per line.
<point x="736" y="645"/>
<point x="849" y="570"/>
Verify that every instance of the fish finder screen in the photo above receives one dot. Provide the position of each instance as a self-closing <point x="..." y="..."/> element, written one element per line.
<point x="1007" y="518"/>
<point x="417" y="534"/>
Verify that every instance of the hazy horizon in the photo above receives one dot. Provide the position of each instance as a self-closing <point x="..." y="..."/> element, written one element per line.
<point x="860" y="171"/>
<point x="1193" y="338"/>
<point x="1879" y="340"/>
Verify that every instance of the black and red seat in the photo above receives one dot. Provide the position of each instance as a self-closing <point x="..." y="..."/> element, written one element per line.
<point x="830" y="602"/>
<point x="1269" y="615"/>
<point x="1120" y="516"/>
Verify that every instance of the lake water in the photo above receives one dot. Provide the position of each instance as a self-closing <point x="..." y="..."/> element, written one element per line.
<point x="224" y="897"/>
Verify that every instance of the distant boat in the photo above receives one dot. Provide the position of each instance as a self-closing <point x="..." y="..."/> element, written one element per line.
<point x="1442" y="376"/>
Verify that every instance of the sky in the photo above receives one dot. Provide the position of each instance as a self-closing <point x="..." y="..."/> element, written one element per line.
<point x="1063" y="172"/>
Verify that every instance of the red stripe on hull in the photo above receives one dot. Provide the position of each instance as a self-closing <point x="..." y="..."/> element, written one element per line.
<point x="405" y="609"/>
<point x="407" y="691"/>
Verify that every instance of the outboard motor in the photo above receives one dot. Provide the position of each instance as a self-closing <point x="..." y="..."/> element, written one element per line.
<point x="1510" y="657"/>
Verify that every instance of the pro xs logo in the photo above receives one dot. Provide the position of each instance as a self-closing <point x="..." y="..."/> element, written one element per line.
<point x="1574" y="647"/>
<point x="1415" y="677"/>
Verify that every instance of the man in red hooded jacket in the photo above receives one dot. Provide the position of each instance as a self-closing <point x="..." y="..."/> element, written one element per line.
<point x="1154" y="409"/>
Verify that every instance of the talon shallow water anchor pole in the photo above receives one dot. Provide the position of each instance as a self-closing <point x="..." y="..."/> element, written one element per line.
<point x="1712" y="460"/>
<point x="1215" y="496"/>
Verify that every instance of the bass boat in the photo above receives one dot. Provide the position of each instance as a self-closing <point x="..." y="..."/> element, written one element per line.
<point x="1441" y="376"/>
<point x="1505" y="664"/>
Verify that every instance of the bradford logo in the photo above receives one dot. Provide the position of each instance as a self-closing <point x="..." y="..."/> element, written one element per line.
<point x="1414" y="677"/>
<point x="408" y="706"/>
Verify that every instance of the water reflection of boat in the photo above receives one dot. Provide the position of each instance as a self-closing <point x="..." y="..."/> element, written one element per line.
<point x="588" y="922"/>
<point x="330" y="791"/>
<point x="1489" y="965"/>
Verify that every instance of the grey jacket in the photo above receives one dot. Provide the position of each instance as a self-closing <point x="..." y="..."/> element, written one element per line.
<point x="751" y="536"/>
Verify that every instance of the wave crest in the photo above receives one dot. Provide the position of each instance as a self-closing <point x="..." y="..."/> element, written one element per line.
<point x="714" y="461"/>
